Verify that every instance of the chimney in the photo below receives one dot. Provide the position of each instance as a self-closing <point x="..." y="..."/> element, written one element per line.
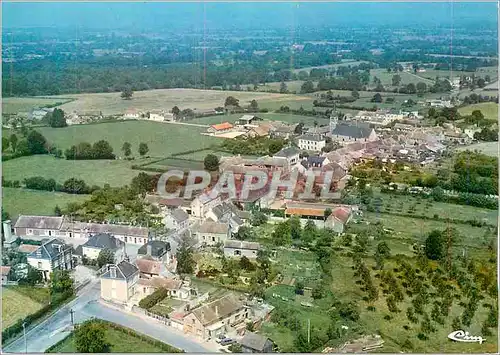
<point x="7" y="230"/>
<point x="149" y="249"/>
<point x="112" y="272"/>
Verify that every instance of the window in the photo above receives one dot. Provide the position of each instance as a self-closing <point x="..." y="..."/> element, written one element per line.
<point x="135" y="240"/>
<point x="213" y="239"/>
<point x="39" y="264"/>
<point x="50" y="233"/>
<point x="70" y="234"/>
<point x="237" y="252"/>
<point x="193" y="321"/>
<point x="30" y="231"/>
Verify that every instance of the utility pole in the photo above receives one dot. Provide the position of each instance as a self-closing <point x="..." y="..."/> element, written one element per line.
<point x="308" y="331"/>
<point x="25" y="343"/>
<point x="71" y="313"/>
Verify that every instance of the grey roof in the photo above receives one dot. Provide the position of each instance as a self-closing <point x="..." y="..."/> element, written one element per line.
<point x="124" y="270"/>
<point x="180" y="215"/>
<point x="237" y="244"/>
<point x="312" y="137"/>
<point x="78" y="251"/>
<point x="317" y="130"/>
<point x="213" y="227"/>
<point x="115" y="229"/>
<point x="287" y="152"/>
<point x="218" y="309"/>
<point x="103" y="241"/>
<point x="254" y="341"/>
<point x="316" y="160"/>
<point x="158" y="248"/>
<point x="39" y="222"/>
<point x="50" y="250"/>
<point x="352" y="131"/>
<point x="221" y="210"/>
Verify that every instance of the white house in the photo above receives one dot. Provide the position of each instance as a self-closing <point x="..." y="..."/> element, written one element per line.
<point x="132" y="114"/>
<point x="53" y="254"/>
<point x="99" y="242"/>
<point x="212" y="233"/>
<point x="204" y="203"/>
<point x="348" y="133"/>
<point x="311" y="142"/>
<point x="240" y="248"/>
<point x="160" y="116"/>
<point x="177" y="219"/>
<point x="291" y="154"/>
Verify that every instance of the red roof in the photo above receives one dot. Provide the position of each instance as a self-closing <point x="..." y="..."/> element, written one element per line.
<point x="222" y="126"/>
<point x="342" y="214"/>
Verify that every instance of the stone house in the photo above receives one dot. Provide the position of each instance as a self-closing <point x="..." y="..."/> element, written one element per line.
<point x="118" y="282"/>
<point x="236" y="248"/>
<point x="211" y="233"/>
<point x="51" y="255"/>
<point x="177" y="219"/>
<point x="311" y="142"/>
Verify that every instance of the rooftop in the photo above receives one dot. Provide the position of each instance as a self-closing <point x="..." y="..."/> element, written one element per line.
<point x="352" y="131"/>
<point x="217" y="310"/>
<point x="180" y="215"/>
<point x="147" y="266"/>
<point x="49" y="249"/>
<point x="222" y="126"/>
<point x="287" y="152"/>
<point x="158" y="248"/>
<point x="237" y="244"/>
<point x="103" y="241"/>
<point x="254" y="341"/>
<point x="124" y="270"/>
<point x="39" y="222"/>
<point x="213" y="227"/>
<point x="311" y="137"/>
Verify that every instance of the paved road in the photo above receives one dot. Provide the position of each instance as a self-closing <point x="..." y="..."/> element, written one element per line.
<point x="87" y="306"/>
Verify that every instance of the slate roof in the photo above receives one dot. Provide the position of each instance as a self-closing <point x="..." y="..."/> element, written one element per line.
<point x="124" y="270"/>
<point x="352" y="131"/>
<point x="158" y="248"/>
<point x="180" y="215"/>
<point x="237" y="244"/>
<point x="115" y="229"/>
<point x="311" y="137"/>
<point x="217" y="310"/>
<point x="316" y="160"/>
<point x="213" y="227"/>
<point x="254" y="341"/>
<point x="39" y="222"/>
<point x="161" y="281"/>
<point x="103" y="241"/>
<point x="149" y="266"/>
<point x="287" y="152"/>
<point x="49" y="250"/>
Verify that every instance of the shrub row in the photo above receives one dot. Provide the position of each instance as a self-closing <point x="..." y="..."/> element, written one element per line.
<point x="152" y="299"/>
<point x="189" y="152"/>
<point x="70" y="186"/>
<point x="57" y="300"/>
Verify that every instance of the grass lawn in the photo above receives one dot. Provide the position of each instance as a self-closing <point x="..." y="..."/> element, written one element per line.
<point x="488" y="148"/>
<point x="120" y="343"/>
<point x="94" y="172"/>
<point x="19" y="302"/>
<point x="33" y="202"/>
<point x="163" y="139"/>
<point x="406" y="78"/>
<point x="25" y="104"/>
<point x="488" y="109"/>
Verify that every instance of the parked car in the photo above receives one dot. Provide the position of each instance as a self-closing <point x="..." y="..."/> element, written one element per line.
<point x="220" y="338"/>
<point x="227" y="341"/>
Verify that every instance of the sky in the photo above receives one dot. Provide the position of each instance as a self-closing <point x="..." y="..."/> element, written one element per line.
<point x="155" y="15"/>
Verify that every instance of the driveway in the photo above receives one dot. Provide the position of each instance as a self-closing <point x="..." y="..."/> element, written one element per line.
<point x="86" y="306"/>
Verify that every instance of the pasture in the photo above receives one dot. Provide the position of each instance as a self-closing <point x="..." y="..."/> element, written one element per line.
<point x="331" y="66"/>
<point x="94" y="172"/>
<point x="488" y="148"/>
<point x="165" y="99"/>
<point x="19" y="302"/>
<point x="406" y="77"/>
<point x="33" y="202"/>
<point x="488" y="109"/>
<point x="12" y="105"/>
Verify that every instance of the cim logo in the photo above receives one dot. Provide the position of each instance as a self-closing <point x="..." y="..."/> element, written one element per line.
<point x="460" y="335"/>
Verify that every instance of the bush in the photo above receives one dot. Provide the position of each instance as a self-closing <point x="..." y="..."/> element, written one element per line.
<point x="151" y="300"/>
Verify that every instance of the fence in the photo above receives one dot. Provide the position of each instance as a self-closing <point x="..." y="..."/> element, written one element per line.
<point x="159" y="318"/>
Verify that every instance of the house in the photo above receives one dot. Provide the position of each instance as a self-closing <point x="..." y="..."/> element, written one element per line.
<point x="316" y="162"/>
<point x="322" y="131"/>
<point x="291" y="154"/>
<point x="311" y="142"/>
<point x="246" y="120"/>
<point x="27" y="226"/>
<point x="240" y="248"/>
<point x="156" y="250"/>
<point x="338" y="219"/>
<point x="215" y="318"/>
<point x="118" y="282"/>
<point x="212" y="233"/>
<point x="347" y="133"/>
<point x="174" y="287"/>
<point x="125" y="233"/>
<point x="177" y="219"/>
<point x="53" y="254"/>
<point x="226" y="213"/>
<point x="132" y="114"/>
<point x="149" y="268"/>
<point x="255" y="343"/>
<point x="5" y="274"/>
<point x="203" y="203"/>
<point x="98" y="242"/>
<point x="284" y="131"/>
<point x="220" y="128"/>
<point x="160" y="116"/>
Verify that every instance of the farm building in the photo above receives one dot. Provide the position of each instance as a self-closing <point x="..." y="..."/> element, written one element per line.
<point x="256" y="343"/>
<point x="240" y="248"/>
<point x="220" y="128"/>
<point x="247" y="119"/>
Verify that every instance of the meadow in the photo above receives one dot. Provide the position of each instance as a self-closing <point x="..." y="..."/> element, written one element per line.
<point x="406" y="77"/>
<point x="19" y="302"/>
<point x="33" y="202"/>
<point x="488" y="109"/>
<point x="165" y="99"/>
<point x="332" y="66"/>
<point x="12" y="105"/>
<point x="488" y="148"/>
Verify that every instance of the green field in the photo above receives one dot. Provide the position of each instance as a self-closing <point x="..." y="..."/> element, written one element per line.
<point x="33" y="202"/>
<point x="488" y="109"/>
<point x="11" y="105"/>
<point x="331" y="66"/>
<point x="94" y="172"/>
<point x="18" y="302"/>
<point x="406" y="77"/>
<point x="488" y="148"/>
<point x="162" y="139"/>
<point x="120" y="342"/>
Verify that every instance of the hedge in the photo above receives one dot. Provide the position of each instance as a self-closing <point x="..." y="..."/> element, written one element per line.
<point x="17" y="327"/>
<point x="152" y="299"/>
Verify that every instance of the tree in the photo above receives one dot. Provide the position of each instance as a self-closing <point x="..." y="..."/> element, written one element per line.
<point x="376" y="98"/>
<point x="383" y="252"/>
<point x="211" y="162"/>
<point x="127" y="94"/>
<point x="246" y="264"/>
<point x="33" y="277"/>
<point x="36" y="143"/>
<point x="105" y="257"/>
<point x="317" y="291"/>
<point x="275" y="146"/>
<point x="327" y="213"/>
<point x="90" y="337"/>
<point x="283" y="88"/>
<point x="102" y="150"/>
<point x="258" y="218"/>
<point x="434" y="245"/>
<point x="61" y="281"/>
<point x="56" y="119"/>
<point x="254" y="106"/>
<point x="421" y="87"/>
<point x="396" y="80"/>
<point x="355" y="94"/>
<point x="57" y="211"/>
<point x="295" y="227"/>
<point x="13" y="142"/>
<point x="185" y="261"/>
<point x="176" y="111"/>
<point x="5" y="144"/>
<point x="282" y="233"/>
<point x="307" y="87"/>
<point x="244" y="233"/>
<point x="299" y="287"/>
<point x="411" y="89"/>
<point x="126" y="149"/>
<point x="231" y="101"/>
<point x="143" y="149"/>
